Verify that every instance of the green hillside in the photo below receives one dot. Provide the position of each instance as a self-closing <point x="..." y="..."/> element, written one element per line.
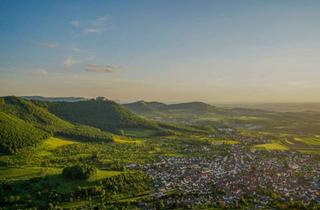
<point x="86" y="133"/>
<point x="33" y="114"/>
<point x="23" y="123"/>
<point x="143" y="107"/>
<point x="100" y="113"/>
<point x="16" y="134"/>
<point x="192" y="106"/>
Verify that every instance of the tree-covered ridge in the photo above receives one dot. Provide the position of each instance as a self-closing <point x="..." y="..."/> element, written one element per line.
<point x="23" y="123"/>
<point x="16" y="133"/>
<point x="143" y="107"/>
<point x="32" y="113"/>
<point x="86" y="133"/>
<point x="104" y="114"/>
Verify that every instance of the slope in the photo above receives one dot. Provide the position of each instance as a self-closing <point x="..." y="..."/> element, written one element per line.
<point x="100" y="113"/>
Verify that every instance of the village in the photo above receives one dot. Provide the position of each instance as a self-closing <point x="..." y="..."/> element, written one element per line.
<point x="260" y="175"/>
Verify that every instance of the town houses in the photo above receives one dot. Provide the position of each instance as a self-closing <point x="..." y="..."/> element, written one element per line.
<point x="262" y="175"/>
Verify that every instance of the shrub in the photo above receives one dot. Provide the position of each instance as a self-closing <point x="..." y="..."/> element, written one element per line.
<point x="79" y="171"/>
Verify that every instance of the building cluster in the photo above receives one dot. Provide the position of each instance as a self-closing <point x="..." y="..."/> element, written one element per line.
<point x="262" y="175"/>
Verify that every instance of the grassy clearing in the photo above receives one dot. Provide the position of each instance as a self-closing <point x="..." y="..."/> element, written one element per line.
<point x="54" y="142"/>
<point x="102" y="174"/>
<point x="125" y="140"/>
<point x="309" y="140"/>
<point x="219" y="142"/>
<point x="25" y="173"/>
<point x="271" y="146"/>
<point x="311" y="152"/>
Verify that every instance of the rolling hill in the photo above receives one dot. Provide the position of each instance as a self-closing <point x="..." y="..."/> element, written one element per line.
<point x="100" y="113"/>
<point x="143" y="107"/>
<point x="16" y="134"/>
<point x="31" y="113"/>
<point x="23" y="123"/>
<point x="54" y="99"/>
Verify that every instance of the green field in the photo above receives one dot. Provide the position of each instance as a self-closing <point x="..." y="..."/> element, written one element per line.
<point x="126" y="140"/>
<point x="271" y="146"/>
<point x="54" y="142"/>
<point x="25" y="173"/>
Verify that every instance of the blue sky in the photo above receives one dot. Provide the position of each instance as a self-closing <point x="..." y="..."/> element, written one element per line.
<point x="175" y="50"/>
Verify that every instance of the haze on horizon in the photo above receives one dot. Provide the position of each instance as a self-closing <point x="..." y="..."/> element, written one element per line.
<point x="181" y="50"/>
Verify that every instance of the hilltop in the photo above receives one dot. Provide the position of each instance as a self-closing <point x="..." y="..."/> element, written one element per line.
<point x="143" y="107"/>
<point x="100" y="113"/>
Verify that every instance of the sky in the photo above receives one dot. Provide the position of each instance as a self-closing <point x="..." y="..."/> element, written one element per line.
<point x="232" y="51"/>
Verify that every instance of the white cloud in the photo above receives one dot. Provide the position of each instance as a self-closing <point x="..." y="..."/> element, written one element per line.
<point x="101" y="69"/>
<point x="75" y="23"/>
<point x="68" y="62"/>
<point x="90" y="26"/>
<point x="93" y="30"/>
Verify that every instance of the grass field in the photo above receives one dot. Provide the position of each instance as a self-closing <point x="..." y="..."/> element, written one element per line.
<point x="219" y="142"/>
<point x="54" y="142"/>
<point x="271" y="146"/>
<point x="25" y="173"/>
<point x="309" y="140"/>
<point x="53" y="176"/>
<point x="125" y="140"/>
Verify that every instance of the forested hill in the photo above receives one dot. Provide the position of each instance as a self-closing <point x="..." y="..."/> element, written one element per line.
<point x="142" y="107"/>
<point x="23" y="123"/>
<point x="54" y="99"/>
<point x="31" y="113"/>
<point x="100" y="113"/>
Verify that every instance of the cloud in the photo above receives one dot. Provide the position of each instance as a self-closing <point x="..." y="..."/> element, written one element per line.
<point x="93" y="30"/>
<point x="90" y="26"/>
<point x="75" y="23"/>
<point x="68" y="62"/>
<point x="101" y="69"/>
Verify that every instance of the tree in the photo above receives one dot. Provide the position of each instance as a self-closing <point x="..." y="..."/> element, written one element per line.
<point x="82" y="171"/>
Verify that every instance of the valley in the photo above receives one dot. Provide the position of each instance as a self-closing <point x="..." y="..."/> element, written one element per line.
<point x="156" y="156"/>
